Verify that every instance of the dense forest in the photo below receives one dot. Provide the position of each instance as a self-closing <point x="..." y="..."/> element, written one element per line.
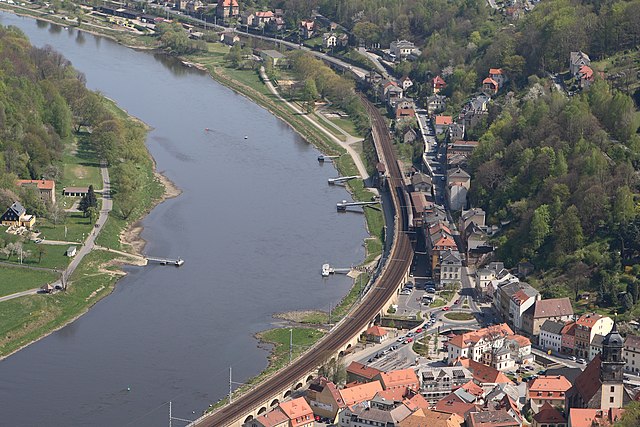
<point x="44" y="106"/>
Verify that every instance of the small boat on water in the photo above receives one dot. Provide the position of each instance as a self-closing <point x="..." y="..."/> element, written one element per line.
<point x="246" y="137"/>
<point x="326" y="270"/>
<point x="179" y="262"/>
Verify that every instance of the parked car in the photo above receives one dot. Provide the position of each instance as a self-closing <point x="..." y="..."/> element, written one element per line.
<point x="431" y="290"/>
<point x="582" y="361"/>
<point x="408" y="340"/>
<point x="445" y="308"/>
<point x="572" y="358"/>
<point x="410" y="334"/>
<point x="418" y="330"/>
<point x="400" y="339"/>
<point x="405" y="292"/>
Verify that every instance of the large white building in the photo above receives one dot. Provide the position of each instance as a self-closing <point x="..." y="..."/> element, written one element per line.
<point x="496" y="346"/>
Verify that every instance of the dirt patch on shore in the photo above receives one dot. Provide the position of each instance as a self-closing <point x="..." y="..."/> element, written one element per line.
<point x="298" y="316"/>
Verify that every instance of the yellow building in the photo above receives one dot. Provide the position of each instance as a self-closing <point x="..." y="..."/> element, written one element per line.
<point x="17" y="216"/>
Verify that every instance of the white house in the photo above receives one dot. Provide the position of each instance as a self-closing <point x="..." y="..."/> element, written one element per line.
<point x="450" y="267"/>
<point x="550" y="337"/>
<point x="632" y="354"/>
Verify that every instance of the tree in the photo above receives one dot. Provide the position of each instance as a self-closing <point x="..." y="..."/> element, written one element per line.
<point x="539" y="228"/>
<point x="93" y="214"/>
<point x="334" y="371"/>
<point x="88" y="201"/>
<point x="627" y="302"/>
<point x="624" y="209"/>
<point x="631" y="416"/>
<point x="42" y="250"/>
<point x="568" y="231"/>
<point x="57" y="214"/>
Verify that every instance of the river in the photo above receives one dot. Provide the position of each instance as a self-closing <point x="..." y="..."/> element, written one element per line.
<point x="255" y="222"/>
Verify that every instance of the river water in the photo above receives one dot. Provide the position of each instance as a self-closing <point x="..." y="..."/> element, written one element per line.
<point x="254" y="223"/>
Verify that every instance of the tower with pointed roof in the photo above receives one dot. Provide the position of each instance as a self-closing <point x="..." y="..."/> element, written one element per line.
<point x="611" y="370"/>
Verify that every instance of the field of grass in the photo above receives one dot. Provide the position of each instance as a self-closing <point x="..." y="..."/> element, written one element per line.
<point x="25" y="319"/>
<point x="76" y="225"/>
<point x="81" y="168"/>
<point x="52" y="256"/>
<point x="421" y="347"/>
<point x="456" y="315"/>
<point x="347" y="125"/>
<point x="438" y="302"/>
<point x="16" y="279"/>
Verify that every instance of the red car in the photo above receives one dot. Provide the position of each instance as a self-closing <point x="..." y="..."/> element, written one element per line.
<point x="445" y="308"/>
<point x="418" y="330"/>
<point x="408" y="340"/>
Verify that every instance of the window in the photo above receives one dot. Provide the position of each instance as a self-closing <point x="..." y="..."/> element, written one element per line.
<point x="613" y="388"/>
<point x="611" y="399"/>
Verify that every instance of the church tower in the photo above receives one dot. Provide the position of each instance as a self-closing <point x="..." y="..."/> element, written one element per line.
<point x="611" y="371"/>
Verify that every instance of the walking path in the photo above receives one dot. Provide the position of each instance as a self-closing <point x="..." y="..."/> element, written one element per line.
<point x="89" y="243"/>
<point x="362" y="170"/>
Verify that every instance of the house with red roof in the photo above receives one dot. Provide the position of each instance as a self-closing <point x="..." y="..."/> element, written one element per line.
<point x="588" y="326"/>
<point x="498" y="76"/>
<point x="594" y="417"/>
<point x="428" y="417"/>
<point x="547" y="389"/>
<point x="454" y="404"/>
<point x="484" y="375"/>
<point x="376" y="334"/>
<point x="400" y="378"/>
<point x="45" y="187"/>
<point x="438" y="84"/>
<point x="274" y="418"/>
<point x="307" y="28"/>
<point x="548" y="415"/>
<point x="492" y="418"/>
<point x="442" y="123"/>
<point x="490" y="86"/>
<point x="585" y="77"/>
<point x="361" y="373"/>
<point x="227" y="9"/>
<point x="299" y="412"/>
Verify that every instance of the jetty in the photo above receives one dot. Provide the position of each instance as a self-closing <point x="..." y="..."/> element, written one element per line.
<point x="166" y="261"/>
<point x="327" y="270"/>
<point x="341" y="179"/>
<point x="342" y="206"/>
<point x="322" y="158"/>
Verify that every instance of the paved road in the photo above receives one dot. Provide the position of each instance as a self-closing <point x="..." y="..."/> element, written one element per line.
<point x="107" y="205"/>
<point x="362" y="170"/>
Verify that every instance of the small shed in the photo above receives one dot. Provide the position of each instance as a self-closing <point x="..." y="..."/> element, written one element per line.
<point x="47" y="288"/>
<point x="71" y="251"/>
<point x="274" y="55"/>
<point x="377" y="334"/>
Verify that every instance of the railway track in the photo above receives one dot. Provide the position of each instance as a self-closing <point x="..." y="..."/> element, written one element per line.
<point x="385" y="286"/>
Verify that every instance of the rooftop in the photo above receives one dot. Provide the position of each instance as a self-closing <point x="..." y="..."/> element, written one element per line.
<point x="360" y="393"/>
<point x="41" y="184"/>
<point x="554" y="307"/>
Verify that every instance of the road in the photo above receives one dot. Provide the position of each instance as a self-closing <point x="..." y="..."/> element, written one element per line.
<point x="383" y="288"/>
<point x="362" y="170"/>
<point x="107" y="205"/>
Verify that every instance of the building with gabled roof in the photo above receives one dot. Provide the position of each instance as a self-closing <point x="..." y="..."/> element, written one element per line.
<point x="549" y="416"/>
<point x="436" y="383"/>
<point x="450" y="267"/>
<point x="454" y="404"/>
<point x="442" y="123"/>
<point x="16" y="216"/>
<point x="360" y="393"/>
<point x="490" y="86"/>
<point x="438" y="83"/>
<point x="298" y="411"/>
<point x="274" y="418"/>
<point x="547" y="389"/>
<point x="428" y="417"/>
<point x="550" y="337"/>
<point x="556" y="309"/>
<point x="484" y="375"/>
<point x="46" y="188"/>
<point x="587" y="326"/>
<point x="577" y="60"/>
<point x="227" y="9"/>
<point x="361" y="373"/>
<point x="399" y="378"/>
<point x="594" y="417"/>
<point x="492" y="418"/>
<point x="376" y="334"/>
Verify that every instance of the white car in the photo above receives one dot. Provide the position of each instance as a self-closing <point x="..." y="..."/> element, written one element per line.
<point x="400" y="339"/>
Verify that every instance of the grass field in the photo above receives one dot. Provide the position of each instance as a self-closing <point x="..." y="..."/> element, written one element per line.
<point x="76" y="225"/>
<point x="14" y="280"/>
<point x="25" y="319"/>
<point x="347" y="125"/>
<point x="459" y="316"/>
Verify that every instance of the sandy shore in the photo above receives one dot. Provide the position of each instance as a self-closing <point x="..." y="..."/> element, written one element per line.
<point x="132" y="235"/>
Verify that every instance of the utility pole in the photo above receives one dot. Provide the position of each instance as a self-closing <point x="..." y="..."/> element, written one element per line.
<point x="171" y="417"/>
<point x="231" y="384"/>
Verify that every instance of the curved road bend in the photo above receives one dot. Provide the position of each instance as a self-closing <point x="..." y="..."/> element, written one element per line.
<point x="391" y="277"/>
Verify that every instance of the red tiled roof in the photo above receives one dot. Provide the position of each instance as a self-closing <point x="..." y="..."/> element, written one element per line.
<point x="549" y="415"/>
<point x="273" y="418"/>
<point x="588" y="382"/>
<point x="452" y="404"/>
<point x="393" y="394"/>
<point x="520" y="297"/>
<point x="405" y="112"/>
<point x="465" y="340"/>
<point x="586" y="72"/>
<point x="439" y="81"/>
<point x="444" y="120"/>
<point x="569" y="329"/>
<point x="473" y="388"/>
<point x="267" y="14"/>
<point x="548" y="387"/>
<point x="483" y="373"/>
<point x="360" y="393"/>
<point x="362" y="370"/>
<point x="227" y="3"/>
<point x="377" y="331"/>
<point x="521" y="340"/>
<point x="589" y="320"/>
<point x="398" y="378"/>
<point x="41" y="184"/>
<point x="490" y="81"/>
<point x="298" y="411"/>
<point x="594" y="417"/>
<point x="495" y="71"/>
